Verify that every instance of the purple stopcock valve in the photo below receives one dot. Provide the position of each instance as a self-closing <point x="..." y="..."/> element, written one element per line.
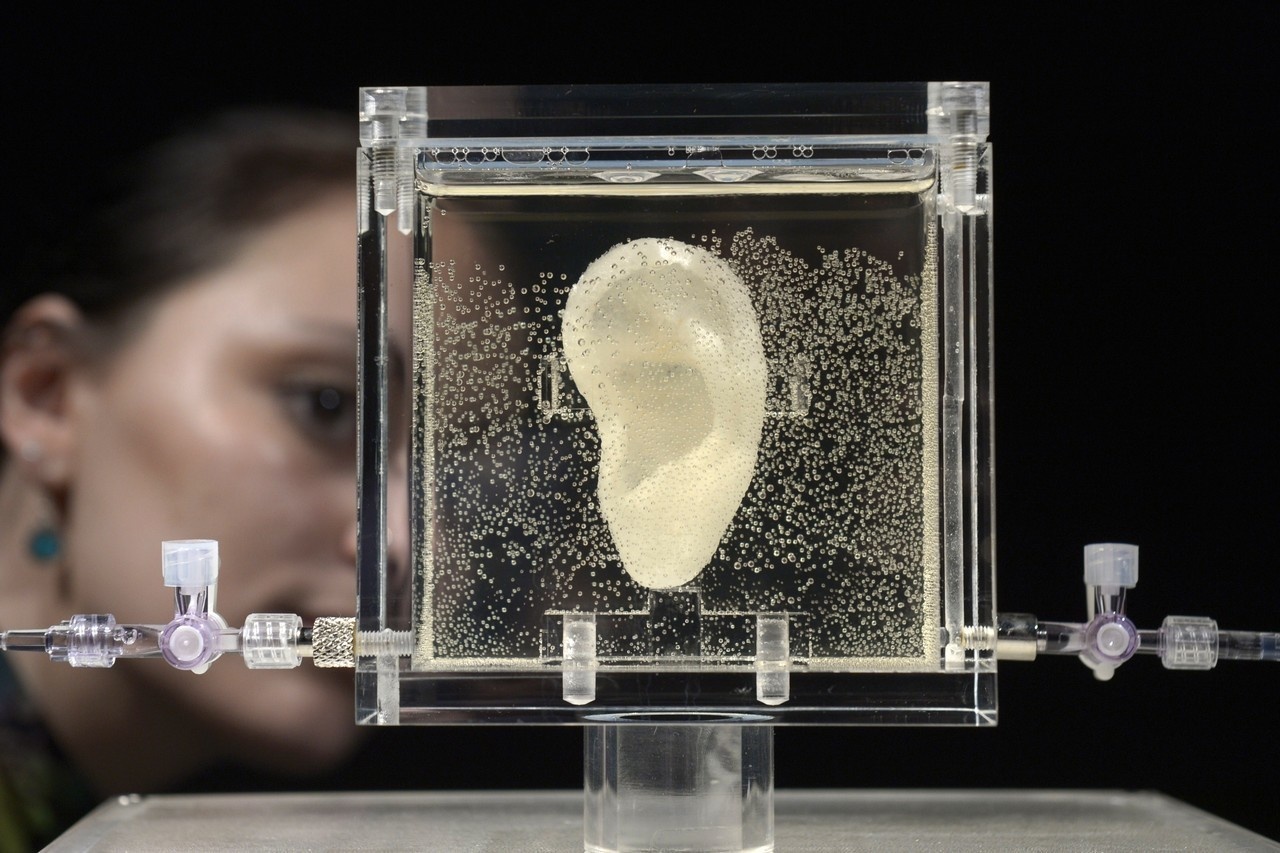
<point x="1110" y="639"/>
<point x="190" y="566"/>
<point x="190" y="642"/>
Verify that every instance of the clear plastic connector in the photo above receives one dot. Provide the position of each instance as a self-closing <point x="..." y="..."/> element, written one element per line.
<point x="270" y="641"/>
<point x="86" y="640"/>
<point x="1195" y="642"/>
<point x="1188" y="642"/>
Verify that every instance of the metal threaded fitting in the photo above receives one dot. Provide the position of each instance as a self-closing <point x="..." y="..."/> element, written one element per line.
<point x="333" y="641"/>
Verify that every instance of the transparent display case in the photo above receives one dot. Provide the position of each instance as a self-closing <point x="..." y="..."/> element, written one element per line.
<point x="695" y="404"/>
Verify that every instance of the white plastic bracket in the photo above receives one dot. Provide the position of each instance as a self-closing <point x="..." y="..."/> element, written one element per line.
<point x="773" y="657"/>
<point x="578" y="673"/>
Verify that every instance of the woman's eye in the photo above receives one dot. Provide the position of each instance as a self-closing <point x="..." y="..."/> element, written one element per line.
<point x="324" y="413"/>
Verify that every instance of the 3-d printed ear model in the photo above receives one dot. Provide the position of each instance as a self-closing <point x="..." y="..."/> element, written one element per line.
<point x="663" y="342"/>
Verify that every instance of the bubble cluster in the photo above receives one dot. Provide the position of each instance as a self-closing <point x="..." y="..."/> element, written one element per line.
<point x="838" y="522"/>
<point x="833" y="524"/>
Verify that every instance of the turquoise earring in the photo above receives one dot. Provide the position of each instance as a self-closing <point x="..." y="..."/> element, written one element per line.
<point x="44" y="544"/>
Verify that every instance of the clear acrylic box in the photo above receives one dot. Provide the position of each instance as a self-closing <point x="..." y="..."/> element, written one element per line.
<point x="746" y="471"/>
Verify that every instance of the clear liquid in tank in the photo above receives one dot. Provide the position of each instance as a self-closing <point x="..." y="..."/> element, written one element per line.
<point x="839" y="524"/>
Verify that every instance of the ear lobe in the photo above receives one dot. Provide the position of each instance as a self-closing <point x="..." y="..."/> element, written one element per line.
<point x="39" y="361"/>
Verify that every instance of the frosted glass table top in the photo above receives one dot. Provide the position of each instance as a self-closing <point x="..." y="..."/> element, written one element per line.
<point x="538" y="821"/>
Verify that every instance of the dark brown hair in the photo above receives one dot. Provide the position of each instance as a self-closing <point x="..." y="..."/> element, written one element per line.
<point x="186" y="206"/>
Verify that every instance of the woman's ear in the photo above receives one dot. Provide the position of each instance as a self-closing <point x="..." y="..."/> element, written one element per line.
<point x="38" y="365"/>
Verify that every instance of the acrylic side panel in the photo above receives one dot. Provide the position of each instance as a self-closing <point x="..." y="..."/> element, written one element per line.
<point x="838" y="564"/>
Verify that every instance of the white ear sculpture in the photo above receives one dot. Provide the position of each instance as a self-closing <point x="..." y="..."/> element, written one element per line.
<point x="662" y="341"/>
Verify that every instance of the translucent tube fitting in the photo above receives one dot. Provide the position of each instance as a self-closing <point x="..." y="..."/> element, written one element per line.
<point x="1195" y="642"/>
<point x="270" y="641"/>
<point x="1188" y="642"/>
<point x="85" y="640"/>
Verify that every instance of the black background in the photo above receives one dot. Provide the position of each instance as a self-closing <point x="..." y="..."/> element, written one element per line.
<point x="1136" y="360"/>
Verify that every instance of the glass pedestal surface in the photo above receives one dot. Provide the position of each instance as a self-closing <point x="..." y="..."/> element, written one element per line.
<point x="678" y="786"/>
<point x="544" y="821"/>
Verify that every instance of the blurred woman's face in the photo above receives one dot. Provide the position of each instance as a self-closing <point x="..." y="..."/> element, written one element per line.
<point x="230" y="415"/>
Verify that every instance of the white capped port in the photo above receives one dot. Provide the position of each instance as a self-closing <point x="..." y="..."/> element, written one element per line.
<point x="1113" y="639"/>
<point x="190" y="562"/>
<point x="186" y="643"/>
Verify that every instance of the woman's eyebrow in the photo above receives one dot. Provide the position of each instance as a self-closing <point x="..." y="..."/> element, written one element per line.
<point x="343" y="334"/>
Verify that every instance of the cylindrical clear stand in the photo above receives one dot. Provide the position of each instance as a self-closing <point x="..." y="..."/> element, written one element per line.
<point x="691" y="785"/>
